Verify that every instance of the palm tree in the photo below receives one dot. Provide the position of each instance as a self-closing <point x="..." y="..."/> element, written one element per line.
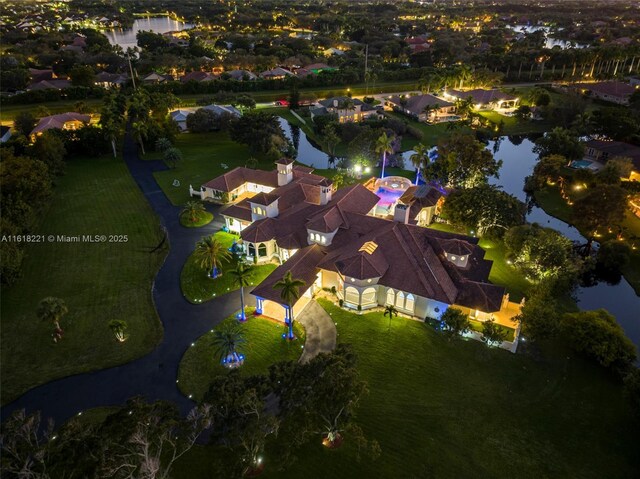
<point x="290" y="292"/>
<point x="241" y="276"/>
<point x="139" y="129"/>
<point x="119" y="328"/>
<point x="391" y="311"/>
<point x="226" y="340"/>
<point x="211" y="253"/>
<point x="194" y="209"/>
<point x="419" y="158"/>
<point x="172" y="156"/>
<point x="52" y="310"/>
<point x="428" y="109"/>
<point x="163" y="144"/>
<point x="384" y="146"/>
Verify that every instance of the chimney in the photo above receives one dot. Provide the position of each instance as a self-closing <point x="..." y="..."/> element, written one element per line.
<point x="401" y="213"/>
<point x="285" y="173"/>
<point x="325" y="194"/>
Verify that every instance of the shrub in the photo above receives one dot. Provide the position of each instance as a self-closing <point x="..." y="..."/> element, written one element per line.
<point x="597" y="334"/>
<point x="415" y="132"/>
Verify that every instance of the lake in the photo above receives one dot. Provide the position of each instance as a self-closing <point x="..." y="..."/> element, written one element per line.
<point x="127" y="37"/>
<point x="550" y="41"/>
<point x="518" y="160"/>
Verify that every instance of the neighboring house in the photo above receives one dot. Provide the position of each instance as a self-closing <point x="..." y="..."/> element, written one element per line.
<point x="111" y="80"/>
<point x="330" y="240"/>
<point x="611" y="91"/>
<point x="347" y="109"/>
<point x="62" y="121"/>
<point x="41" y="75"/>
<point x="242" y="75"/>
<point x="426" y="107"/>
<point x="5" y="133"/>
<point x="333" y="51"/>
<point x="601" y="151"/>
<point x="180" y="117"/>
<point x="277" y="73"/>
<point x="482" y="99"/>
<point x="197" y="76"/>
<point x="155" y="77"/>
<point x="57" y="84"/>
<point x="223" y="109"/>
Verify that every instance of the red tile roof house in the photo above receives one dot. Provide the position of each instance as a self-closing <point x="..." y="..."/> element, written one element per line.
<point x="492" y="99"/>
<point x="612" y="91"/>
<point x="426" y="107"/>
<point x="329" y="239"/>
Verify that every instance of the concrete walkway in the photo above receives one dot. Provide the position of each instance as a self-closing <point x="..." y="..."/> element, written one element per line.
<point x="320" y="331"/>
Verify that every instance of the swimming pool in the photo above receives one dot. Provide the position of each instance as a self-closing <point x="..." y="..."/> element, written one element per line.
<point x="581" y="164"/>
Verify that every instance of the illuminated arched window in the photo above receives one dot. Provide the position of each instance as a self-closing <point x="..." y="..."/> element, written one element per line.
<point x="410" y="303"/>
<point x="352" y="295"/>
<point x="262" y="249"/>
<point x="391" y="296"/>
<point x="369" y="296"/>
<point x="400" y="300"/>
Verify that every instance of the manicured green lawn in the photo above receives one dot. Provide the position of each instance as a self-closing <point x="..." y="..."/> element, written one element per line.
<point x="203" y="218"/>
<point x="431" y="134"/>
<point x="459" y="409"/>
<point x="516" y="126"/>
<point x="550" y="200"/>
<point x="204" y="155"/>
<point x="98" y="281"/>
<point x="264" y="346"/>
<point x="198" y="287"/>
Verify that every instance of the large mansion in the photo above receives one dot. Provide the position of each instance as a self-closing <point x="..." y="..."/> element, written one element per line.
<point x="335" y="240"/>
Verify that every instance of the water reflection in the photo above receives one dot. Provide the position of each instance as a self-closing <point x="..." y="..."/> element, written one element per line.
<point x="127" y="37"/>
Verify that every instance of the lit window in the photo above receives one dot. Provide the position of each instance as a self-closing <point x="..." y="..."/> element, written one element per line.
<point x="369" y="280"/>
<point x="453" y="258"/>
<point x="353" y="280"/>
<point x="323" y="240"/>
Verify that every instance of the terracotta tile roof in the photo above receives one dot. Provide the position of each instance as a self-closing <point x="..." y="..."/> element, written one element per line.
<point x="264" y="199"/>
<point x="240" y="211"/>
<point x="303" y="265"/>
<point x="240" y="175"/>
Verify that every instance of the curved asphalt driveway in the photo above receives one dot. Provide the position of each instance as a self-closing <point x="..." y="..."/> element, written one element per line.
<point x="154" y="375"/>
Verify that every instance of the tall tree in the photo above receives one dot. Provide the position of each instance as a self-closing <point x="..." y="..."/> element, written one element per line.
<point x="290" y="293"/>
<point x="454" y="323"/>
<point x="484" y="209"/>
<point x="24" y="122"/>
<point x="241" y="276"/>
<point x="601" y="207"/>
<point x="462" y="162"/>
<point x="560" y="141"/>
<point x="384" y="145"/>
<point x="492" y="334"/>
<point x="212" y="253"/>
<point x="49" y="149"/>
<point x="52" y="310"/>
<point x="419" y="158"/>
